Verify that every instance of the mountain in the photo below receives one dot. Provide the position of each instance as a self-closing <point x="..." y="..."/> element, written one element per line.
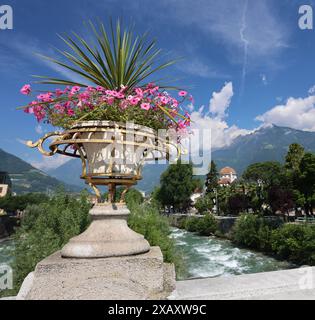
<point x="26" y="178"/>
<point x="265" y="144"/>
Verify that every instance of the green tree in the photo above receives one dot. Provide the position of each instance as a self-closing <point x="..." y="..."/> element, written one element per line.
<point x="306" y="180"/>
<point x="269" y="173"/>
<point x="212" y="178"/>
<point x="177" y="185"/>
<point x="294" y="156"/>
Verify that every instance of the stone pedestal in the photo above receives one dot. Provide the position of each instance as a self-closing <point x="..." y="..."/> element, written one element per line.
<point x="107" y="236"/>
<point x="142" y="276"/>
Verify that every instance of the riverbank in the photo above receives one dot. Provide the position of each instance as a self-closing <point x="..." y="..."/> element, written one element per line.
<point x="222" y="225"/>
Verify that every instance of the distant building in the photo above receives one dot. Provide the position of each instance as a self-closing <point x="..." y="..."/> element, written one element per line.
<point x="227" y="176"/>
<point x="5" y="184"/>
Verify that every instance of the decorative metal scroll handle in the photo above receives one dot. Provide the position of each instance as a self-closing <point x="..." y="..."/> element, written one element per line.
<point x="39" y="143"/>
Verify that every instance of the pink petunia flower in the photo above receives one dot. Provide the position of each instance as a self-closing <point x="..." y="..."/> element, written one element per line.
<point x="45" y="97"/>
<point x="90" y="89"/>
<point x="182" y="93"/>
<point x="109" y="92"/>
<point x="145" y="106"/>
<point x="99" y="88"/>
<point x="58" y="92"/>
<point x="70" y="112"/>
<point x="75" y="89"/>
<point x="120" y="95"/>
<point x="139" y="92"/>
<point x="164" y="100"/>
<point x="124" y="104"/>
<point x="26" y="89"/>
<point x="110" y="100"/>
<point x="134" y="101"/>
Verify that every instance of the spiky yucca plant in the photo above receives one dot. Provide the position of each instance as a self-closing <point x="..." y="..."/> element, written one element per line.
<point x="118" y="59"/>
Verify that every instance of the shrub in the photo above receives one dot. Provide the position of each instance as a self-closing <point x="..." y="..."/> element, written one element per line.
<point x="245" y="231"/>
<point x="207" y="225"/>
<point x="254" y="231"/>
<point x="295" y="242"/>
<point x="191" y="224"/>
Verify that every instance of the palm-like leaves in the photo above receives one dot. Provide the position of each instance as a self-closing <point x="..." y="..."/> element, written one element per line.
<point x="117" y="59"/>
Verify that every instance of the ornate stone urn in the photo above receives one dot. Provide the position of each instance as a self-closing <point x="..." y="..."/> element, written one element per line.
<point x="112" y="154"/>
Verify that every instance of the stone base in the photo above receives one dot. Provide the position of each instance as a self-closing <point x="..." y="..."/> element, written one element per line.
<point x="143" y="276"/>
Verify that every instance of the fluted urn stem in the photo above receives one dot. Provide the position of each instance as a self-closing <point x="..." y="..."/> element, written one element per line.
<point x="107" y="236"/>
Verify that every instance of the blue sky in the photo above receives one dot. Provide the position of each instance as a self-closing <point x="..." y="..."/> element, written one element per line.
<point x="245" y="61"/>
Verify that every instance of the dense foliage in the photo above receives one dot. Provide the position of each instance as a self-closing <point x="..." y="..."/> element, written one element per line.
<point x="293" y="242"/>
<point x="254" y="231"/>
<point x="204" y="225"/>
<point x="20" y="202"/>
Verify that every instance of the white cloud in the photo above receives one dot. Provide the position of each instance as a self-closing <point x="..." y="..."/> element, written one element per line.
<point x="221" y="133"/>
<point x="296" y="113"/>
<point x="221" y="100"/>
<point x="47" y="163"/>
<point x="311" y="90"/>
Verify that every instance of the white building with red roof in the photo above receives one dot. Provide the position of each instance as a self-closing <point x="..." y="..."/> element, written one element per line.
<point x="227" y="176"/>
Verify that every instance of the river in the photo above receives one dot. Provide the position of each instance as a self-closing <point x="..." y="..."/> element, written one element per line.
<point x="214" y="257"/>
<point x="6" y="251"/>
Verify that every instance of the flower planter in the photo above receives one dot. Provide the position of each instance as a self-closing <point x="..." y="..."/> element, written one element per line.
<point x="112" y="154"/>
